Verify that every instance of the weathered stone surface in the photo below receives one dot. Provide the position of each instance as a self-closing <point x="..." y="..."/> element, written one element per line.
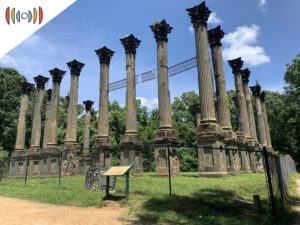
<point x="261" y="122"/>
<point x="165" y="135"/>
<point x="211" y="162"/>
<point x="266" y="123"/>
<point x="20" y="140"/>
<point x="37" y="117"/>
<point x="71" y="131"/>
<point x="86" y="139"/>
<point x="47" y="119"/>
<point x="57" y="76"/>
<point x="243" y="127"/>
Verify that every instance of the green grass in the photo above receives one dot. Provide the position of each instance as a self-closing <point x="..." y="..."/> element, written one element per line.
<point x="219" y="201"/>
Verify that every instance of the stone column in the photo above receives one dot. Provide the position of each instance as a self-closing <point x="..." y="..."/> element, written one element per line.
<point x="254" y="161"/>
<point x="104" y="145"/>
<point x="243" y="133"/>
<point x="47" y="117"/>
<point x="71" y="132"/>
<point x="211" y="159"/>
<point x="21" y="132"/>
<point x="131" y="148"/>
<point x="37" y="120"/>
<point x="264" y="112"/>
<point x="57" y="76"/>
<point x="165" y="135"/>
<point x="86" y="138"/>
<point x="260" y="117"/>
<point x="214" y="37"/>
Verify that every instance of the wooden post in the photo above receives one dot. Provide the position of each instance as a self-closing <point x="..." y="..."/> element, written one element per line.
<point x="127" y="186"/>
<point x="107" y="187"/>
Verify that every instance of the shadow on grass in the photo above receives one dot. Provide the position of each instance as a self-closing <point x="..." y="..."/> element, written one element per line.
<point x="204" y="207"/>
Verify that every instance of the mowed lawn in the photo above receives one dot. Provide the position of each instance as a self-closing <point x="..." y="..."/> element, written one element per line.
<point x="195" y="200"/>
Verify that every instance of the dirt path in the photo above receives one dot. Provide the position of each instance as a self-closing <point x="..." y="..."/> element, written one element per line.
<point x="297" y="208"/>
<point x="16" y="212"/>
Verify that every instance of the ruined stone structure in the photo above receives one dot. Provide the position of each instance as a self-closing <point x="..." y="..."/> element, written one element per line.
<point x="130" y="146"/>
<point x="47" y="119"/>
<point x="266" y="123"/>
<point x="220" y="149"/>
<point x="232" y="157"/>
<point x="211" y="159"/>
<point x="103" y="142"/>
<point x="254" y="160"/>
<point x="165" y="135"/>
<point x="243" y="133"/>
<point x="256" y="92"/>
<point x="86" y="160"/>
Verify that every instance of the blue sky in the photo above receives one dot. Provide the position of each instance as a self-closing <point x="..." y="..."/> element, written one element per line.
<point x="264" y="32"/>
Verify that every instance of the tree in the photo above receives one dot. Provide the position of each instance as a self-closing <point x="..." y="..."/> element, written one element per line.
<point x="10" y="94"/>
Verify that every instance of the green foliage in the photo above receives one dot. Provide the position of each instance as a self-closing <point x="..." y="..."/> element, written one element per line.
<point x="9" y="106"/>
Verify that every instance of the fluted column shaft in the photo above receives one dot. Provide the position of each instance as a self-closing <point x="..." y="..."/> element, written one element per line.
<point x="103" y="130"/>
<point x="250" y="111"/>
<point x="266" y="123"/>
<point x="37" y="119"/>
<point x="47" y="118"/>
<point x="261" y="123"/>
<point x="52" y="133"/>
<point x="204" y="75"/>
<point x="242" y="107"/>
<point x="86" y="138"/>
<point x="223" y="112"/>
<point x="36" y="123"/>
<point x="131" y="117"/>
<point x="164" y="103"/>
<point x="71" y="132"/>
<point x="57" y="76"/>
<point x="21" y="132"/>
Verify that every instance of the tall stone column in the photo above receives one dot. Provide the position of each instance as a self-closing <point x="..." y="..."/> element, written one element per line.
<point x="21" y="132"/>
<point x="254" y="159"/>
<point x="214" y="37"/>
<point x="264" y="112"/>
<point x="71" y="132"/>
<point x="245" y="78"/>
<point x="18" y="161"/>
<point x="211" y="159"/>
<point x="131" y="148"/>
<point x="260" y="117"/>
<point x="86" y="138"/>
<point x="243" y="134"/>
<point x="57" y="76"/>
<point x="165" y="135"/>
<point x="104" y="145"/>
<point x="37" y="120"/>
<point x="47" y="119"/>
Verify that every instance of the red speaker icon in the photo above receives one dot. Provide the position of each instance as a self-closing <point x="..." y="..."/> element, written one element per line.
<point x="16" y="16"/>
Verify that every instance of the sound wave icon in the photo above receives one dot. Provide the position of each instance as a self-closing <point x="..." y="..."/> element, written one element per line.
<point x="35" y="16"/>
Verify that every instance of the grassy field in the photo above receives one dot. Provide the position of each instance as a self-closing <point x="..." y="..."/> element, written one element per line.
<point x="219" y="201"/>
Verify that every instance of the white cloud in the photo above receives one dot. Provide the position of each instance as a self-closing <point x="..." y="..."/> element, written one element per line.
<point x="214" y="19"/>
<point x="243" y="43"/>
<point x="24" y="57"/>
<point x="151" y="104"/>
<point x="262" y="4"/>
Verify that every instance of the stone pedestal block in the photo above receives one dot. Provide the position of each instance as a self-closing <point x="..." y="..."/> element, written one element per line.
<point x="131" y="153"/>
<point x="162" y="140"/>
<point x="71" y="159"/>
<point x="105" y="153"/>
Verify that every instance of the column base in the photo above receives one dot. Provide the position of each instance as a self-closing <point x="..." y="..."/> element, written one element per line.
<point x="104" y="149"/>
<point x="212" y="159"/>
<point x="131" y="153"/>
<point x="71" y="159"/>
<point x="163" y="138"/>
